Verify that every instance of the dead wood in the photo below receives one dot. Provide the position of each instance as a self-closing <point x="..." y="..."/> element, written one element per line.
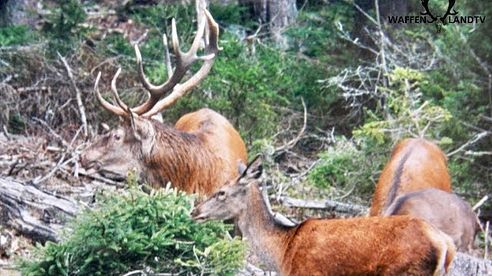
<point x="328" y="205"/>
<point x="464" y="264"/>
<point x="33" y="212"/>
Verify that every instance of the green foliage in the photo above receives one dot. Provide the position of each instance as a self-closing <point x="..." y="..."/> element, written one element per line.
<point x="65" y="19"/>
<point x="63" y="25"/>
<point x="344" y="167"/>
<point x="17" y="124"/>
<point x="406" y="113"/>
<point x="136" y="231"/>
<point x="115" y="44"/>
<point x="315" y="32"/>
<point x="231" y="14"/>
<point x="459" y="174"/>
<point x="15" y="35"/>
<point x="158" y="17"/>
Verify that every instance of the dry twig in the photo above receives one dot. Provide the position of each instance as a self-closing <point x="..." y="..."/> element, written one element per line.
<point x="60" y="163"/>
<point x="293" y="142"/>
<point x="83" y="117"/>
<point x="472" y="141"/>
<point x="480" y="202"/>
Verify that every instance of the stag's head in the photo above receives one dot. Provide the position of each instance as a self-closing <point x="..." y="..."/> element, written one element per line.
<point x="124" y="148"/>
<point x="231" y="200"/>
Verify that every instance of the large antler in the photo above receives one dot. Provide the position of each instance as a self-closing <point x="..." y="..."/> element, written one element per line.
<point x="181" y="89"/>
<point x="183" y="62"/>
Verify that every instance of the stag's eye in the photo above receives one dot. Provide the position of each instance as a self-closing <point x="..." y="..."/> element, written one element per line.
<point x="117" y="137"/>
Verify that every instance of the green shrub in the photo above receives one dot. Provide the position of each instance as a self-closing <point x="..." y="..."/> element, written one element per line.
<point x="16" y="123"/>
<point x="346" y="168"/>
<point x="406" y="113"/>
<point x="62" y="27"/>
<point x="158" y="17"/>
<point x="139" y="231"/>
<point x="232" y="14"/>
<point x="315" y="32"/>
<point x="15" y="35"/>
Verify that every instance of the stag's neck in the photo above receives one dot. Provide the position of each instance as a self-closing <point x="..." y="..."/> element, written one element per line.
<point x="267" y="238"/>
<point x="183" y="159"/>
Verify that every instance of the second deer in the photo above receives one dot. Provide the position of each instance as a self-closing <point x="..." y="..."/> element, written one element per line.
<point x="416" y="182"/>
<point x="397" y="245"/>
<point x="444" y="210"/>
<point x="415" y="164"/>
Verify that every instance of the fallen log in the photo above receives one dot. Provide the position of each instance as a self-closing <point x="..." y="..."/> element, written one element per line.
<point x="464" y="264"/>
<point x="33" y="212"/>
<point x="328" y="205"/>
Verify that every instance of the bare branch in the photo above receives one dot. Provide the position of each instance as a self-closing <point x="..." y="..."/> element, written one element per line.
<point x="80" y="104"/>
<point x="352" y="209"/>
<point x="294" y="141"/>
<point x="472" y="141"/>
<point x="480" y="202"/>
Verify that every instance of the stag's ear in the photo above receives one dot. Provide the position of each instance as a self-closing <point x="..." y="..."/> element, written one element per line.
<point x="135" y="125"/>
<point x="143" y="131"/>
<point x="254" y="169"/>
<point x="142" y="128"/>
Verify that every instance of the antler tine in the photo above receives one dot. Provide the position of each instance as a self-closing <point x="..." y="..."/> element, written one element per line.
<point x="109" y="107"/>
<point x="121" y="104"/>
<point x="212" y="48"/>
<point x="183" y="61"/>
<point x="167" y="58"/>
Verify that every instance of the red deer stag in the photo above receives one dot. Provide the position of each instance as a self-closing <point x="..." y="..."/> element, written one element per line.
<point x="198" y="155"/>
<point x="415" y="164"/>
<point x="397" y="245"/>
<point x="444" y="210"/>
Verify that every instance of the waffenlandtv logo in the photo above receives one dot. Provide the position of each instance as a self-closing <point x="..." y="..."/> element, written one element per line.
<point x="428" y="16"/>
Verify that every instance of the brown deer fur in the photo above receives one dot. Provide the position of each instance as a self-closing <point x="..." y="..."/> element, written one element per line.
<point x="397" y="245"/>
<point x="415" y="164"/>
<point x="197" y="156"/>
<point x="444" y="210"/>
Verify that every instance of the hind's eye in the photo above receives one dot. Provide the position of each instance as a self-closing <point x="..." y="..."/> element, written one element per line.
<point x="221" y="195"/>
<point x="117" y="137"/>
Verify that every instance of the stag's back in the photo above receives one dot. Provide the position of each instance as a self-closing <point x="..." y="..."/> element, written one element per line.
<point x="415" y="164"/>
<point x="219" y="136"/>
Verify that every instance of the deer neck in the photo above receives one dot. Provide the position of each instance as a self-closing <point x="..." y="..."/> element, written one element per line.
<point x="266" y="237"/>
<point x="180" y="158"/>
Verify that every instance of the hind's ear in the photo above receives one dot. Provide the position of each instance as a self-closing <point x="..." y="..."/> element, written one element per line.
<point x="241" y="167"/>
<point x="254" y="169"/>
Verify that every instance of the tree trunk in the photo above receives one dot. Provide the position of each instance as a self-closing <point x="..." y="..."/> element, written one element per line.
<point x="393" y="8"/>
<point x="16" y="12"/>
<point x="278" y="14"/>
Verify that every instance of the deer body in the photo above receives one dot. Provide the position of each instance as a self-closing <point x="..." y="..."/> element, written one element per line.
<point x="444" y="210"/>
<point x="194" y="156"/>
<point x="415" y="164"/>
<point x="199" y="154"/>
<point x="218" y="135"/>
<point x="397" y="245"/>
